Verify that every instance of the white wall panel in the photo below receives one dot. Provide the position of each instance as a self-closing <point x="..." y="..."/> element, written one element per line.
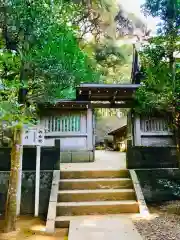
<point x="73" y="143"/>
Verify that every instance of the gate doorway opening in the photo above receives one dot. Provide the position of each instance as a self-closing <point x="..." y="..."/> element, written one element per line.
<point x="111" y="105"/>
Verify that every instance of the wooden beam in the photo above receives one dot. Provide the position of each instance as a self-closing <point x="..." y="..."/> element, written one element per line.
<point x="106" y="92"/>
<point x="89" y="129"/>
<point x="107" y="86"/>
<point x="113" y="105"/>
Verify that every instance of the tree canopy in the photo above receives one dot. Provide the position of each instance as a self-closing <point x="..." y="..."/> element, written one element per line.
<point x="158" y="91"/>
<point x="39" y="53"/>
<point x="160" y="59"/>
<point x="160" y="62"/>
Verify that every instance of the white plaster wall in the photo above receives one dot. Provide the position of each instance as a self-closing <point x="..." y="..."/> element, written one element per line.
<point x="73" y="143"/>
<point x="68" y="143"/>
<point x="49" y="142"/>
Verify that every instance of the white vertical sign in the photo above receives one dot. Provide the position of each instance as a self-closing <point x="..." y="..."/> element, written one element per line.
<point x="29" y="137"/>
<point x="39" y="141"/>
<point x="38" y="158"/>
<point x="39" y="136"/>
<point x="35" y="137"/>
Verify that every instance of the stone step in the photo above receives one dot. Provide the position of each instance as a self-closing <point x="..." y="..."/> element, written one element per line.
<point x="96" y="195"/>
<point x="64" y="221"/>
<point x="60" y="233"/>
<point x="95" y="183"/>
<point x="94" y="208"/>
<point x="124" y="173"/>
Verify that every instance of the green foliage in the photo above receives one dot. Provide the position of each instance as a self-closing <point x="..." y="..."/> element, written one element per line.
<point x="114" y="62"/>
<point x="39" y="52"/>
<point x="60" y="60"/>
<point x="167" y="10"/>
<point x="161" y="87"/>
<point x="12" y="113"/>
<point x="157" y="91"/>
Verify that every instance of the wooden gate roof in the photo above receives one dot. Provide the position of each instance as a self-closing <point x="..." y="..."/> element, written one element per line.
<point x="99" y="96"/>
<point x="107" y="95"/>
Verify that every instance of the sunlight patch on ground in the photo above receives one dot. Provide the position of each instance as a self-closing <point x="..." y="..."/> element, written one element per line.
<point x="39" y="228"/>
<point x="30" y="228"/>
<point x="147" y="217"/>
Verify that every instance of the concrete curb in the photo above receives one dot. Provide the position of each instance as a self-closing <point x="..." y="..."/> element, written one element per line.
<point x="147" y="169"/>
<point x="51" y="216"/>
<point x="139" y="194"/>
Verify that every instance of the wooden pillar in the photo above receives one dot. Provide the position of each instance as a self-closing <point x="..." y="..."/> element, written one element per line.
<point x="93" y="128"/>
<point x="89" y="129"/>
<point x="137" y="130"/>
<point x="130" y="122"/>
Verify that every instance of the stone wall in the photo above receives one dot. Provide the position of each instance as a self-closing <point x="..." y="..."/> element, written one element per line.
<point x="5" y="163"/>
<point x="50" y="158"/>
<point x="151" y="157"/>
<point x="28" y="191"/>
<point x="160" y="185"/>
<point x="4" y="177"/>
<point x="77" y="156"/>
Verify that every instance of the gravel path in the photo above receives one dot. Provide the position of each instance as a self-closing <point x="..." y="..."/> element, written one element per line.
<point x="165" y="226"/>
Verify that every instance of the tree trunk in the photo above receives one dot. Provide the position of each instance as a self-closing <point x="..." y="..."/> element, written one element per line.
<point x="178" y="136"/>
<point x="10" y="216"/>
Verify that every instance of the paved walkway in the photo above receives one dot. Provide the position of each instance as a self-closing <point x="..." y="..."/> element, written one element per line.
<point x="104" y="160"/>
<point x="103" y="228"/>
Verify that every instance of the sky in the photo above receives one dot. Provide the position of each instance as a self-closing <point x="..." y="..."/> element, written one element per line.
<point x="134" y="7"/>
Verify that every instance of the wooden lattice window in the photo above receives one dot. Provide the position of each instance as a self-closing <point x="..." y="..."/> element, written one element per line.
<point x="70" y="123"/>
<point x="154" y="125"/>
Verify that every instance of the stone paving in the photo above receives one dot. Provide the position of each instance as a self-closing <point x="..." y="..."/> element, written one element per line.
<point x="104" y="160"/>
<point x="103" y="228"/>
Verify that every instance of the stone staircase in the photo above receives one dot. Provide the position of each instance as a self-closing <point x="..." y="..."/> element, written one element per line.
<point x="92" y="193"/>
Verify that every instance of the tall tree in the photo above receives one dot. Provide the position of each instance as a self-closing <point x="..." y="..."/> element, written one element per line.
<point x="40" y="58"/>
<point x="160" y="61"/>
<point x="112" y="52"/>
